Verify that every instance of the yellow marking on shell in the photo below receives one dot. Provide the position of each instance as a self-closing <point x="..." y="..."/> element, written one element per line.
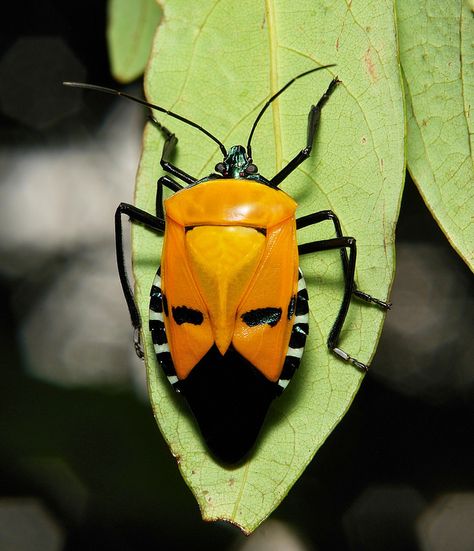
<point x="223" y="260"/>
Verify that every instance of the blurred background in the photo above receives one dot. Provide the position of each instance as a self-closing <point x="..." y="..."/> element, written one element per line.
<point x="82" y="463"/>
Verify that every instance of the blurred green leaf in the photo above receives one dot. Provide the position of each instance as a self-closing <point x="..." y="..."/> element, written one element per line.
<point x="217" y="63"/>
<point x="130" y="30"/>
<point x="437" y="57"/>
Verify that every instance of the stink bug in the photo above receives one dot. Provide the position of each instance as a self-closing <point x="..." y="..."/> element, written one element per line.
<point x="229" y="305"/>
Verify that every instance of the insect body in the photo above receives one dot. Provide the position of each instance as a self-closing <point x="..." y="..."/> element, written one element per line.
<point x="230" y="339"/>
<point x="228" y="305"/>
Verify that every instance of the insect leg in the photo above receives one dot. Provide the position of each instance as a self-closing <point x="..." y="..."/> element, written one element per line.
<point x="136" y="215"/>
<point x="168" y="148"/>
<point x="313" y="123"/>
<point x="321" y="216"/>
<point x="331" y="244"/>
<point x="170" y="184"/>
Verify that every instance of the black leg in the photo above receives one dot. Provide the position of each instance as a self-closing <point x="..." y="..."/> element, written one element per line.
<point x="136" y="215"/>
<point x="170" y="184"/>
<point x="331" y="244"/>
<point x="168" y="148"/>
<point x="321" y="216"/>
<point x="313" y="123"/>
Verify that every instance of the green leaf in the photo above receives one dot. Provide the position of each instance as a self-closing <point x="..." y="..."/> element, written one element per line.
<point x="437" y="57"/>
<point x="130" y="30"/>
<point x="217" y="63"/>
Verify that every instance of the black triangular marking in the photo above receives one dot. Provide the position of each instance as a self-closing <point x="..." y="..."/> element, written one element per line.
<point x="229" y="398"/>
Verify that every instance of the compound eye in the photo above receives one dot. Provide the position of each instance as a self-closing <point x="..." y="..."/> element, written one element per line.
<point x="251" y="169"/>
<point x="220" y="168"/>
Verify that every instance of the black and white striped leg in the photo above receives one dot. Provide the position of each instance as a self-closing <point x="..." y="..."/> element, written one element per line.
<point x="321" y="216"/>
<point x="299" y="307"/>
<point x="331" y="244"/>
<point x="157" y="224"/>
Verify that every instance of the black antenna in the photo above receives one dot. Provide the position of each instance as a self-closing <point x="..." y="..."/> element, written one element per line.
<point x="150" y="105"/>
<point x="259" y="116"/>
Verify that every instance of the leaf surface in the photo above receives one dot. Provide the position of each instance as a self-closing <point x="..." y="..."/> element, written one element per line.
<point x="217" y="62"/>
<point x="437" y="57"/>
<point x="130" y="30"/>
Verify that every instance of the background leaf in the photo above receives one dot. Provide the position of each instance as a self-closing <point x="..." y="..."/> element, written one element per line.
<point x="437" y="57"/>
<point x="216" y="63"/>
<point x="130" y="30"/>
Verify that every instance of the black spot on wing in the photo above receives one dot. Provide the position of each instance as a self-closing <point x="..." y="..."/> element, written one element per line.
<point x="261" y="316"/>
<point x="183" y="314"/>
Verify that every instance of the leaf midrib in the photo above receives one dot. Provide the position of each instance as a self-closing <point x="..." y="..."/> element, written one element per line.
<point x="272" y="39"/>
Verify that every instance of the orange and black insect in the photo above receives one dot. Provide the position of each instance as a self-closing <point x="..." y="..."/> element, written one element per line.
<point x="229" y="305"/>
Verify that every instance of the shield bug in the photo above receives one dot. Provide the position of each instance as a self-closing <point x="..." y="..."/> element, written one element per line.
<point x="229" y="305"/>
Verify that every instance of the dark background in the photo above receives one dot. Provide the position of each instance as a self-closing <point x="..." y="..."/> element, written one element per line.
<point x="82" y="463"/>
